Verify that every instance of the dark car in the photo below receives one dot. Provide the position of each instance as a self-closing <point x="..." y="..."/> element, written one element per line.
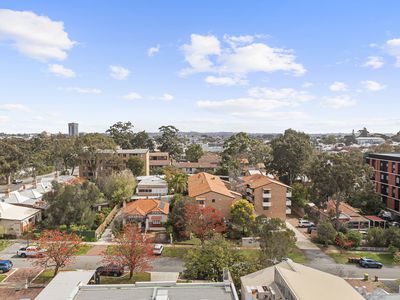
<point x="110" y="270"/>
<point x="5" y="266"/>
<point x="17" y="181"/>
<point x="370" y="263"/>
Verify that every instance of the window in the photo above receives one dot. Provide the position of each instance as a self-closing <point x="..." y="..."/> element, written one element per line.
<point x="201" y="202"/>
<point x="213" y="200"/>
<point x="396" y="205"/>
<point x="156" y="222"/>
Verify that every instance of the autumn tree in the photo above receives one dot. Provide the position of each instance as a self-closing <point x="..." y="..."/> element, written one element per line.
<point x="131" y="250"/>
<point x="204" y="222"/>
<point x="60" y="246"/>
<point x="243" y="216"/>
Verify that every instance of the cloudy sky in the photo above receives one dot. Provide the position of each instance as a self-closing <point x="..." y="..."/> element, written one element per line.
<point x="256" y="66"/>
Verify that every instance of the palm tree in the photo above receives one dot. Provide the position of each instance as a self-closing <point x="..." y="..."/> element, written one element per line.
<point x="178" y="183"/>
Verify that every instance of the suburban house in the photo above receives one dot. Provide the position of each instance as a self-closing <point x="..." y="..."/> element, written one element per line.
<point x="15" y="220"/>
<point x="151" y="214"/>
<point x="152" y="186"/>
<point x="210" y="190"/>
<point x="209" y="162"/>
<point x="159" y="160"/>
<point x="270" y="197"/>
<point x="27" y="198"/>
<point x="290" y="280"/>
<point x="348" y="215"/>
<point x="112" y="160"/>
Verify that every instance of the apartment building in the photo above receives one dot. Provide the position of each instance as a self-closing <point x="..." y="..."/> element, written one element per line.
<point x="151" y="186"/>
<point x="159" y="160"/>
<point x="209" y="162"/>
<point x="109" y="161"/>
<point x="210" y="190"/>
<point x="387" y="178"/>
<point x="270" y="197"/>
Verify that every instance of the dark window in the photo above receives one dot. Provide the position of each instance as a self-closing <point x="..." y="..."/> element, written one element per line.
<point x="213" y="200"/>
<point x="384" y="200"/>
<point x="396" y="205"/>
<point x="393" y="192"/>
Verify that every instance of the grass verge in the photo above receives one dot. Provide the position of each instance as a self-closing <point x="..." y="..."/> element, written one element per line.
<point x="2" y="277"/>
<point x="142" y="276"/>
<point x="45" y="277"/>
<point x="341" y="258"/>
<point x="4" y="244"/>
<point x="83" y="249"/>
<point x="175" y="252"/>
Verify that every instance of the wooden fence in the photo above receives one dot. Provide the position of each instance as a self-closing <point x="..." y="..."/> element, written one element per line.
<point x="107" y="221"/>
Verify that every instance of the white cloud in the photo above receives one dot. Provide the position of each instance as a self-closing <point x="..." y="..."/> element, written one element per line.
<point x="241" y="56"/>
<point x="307" y="85"/>
<point x="35" y="36"/>
<point x="393" y="48"/>
<point x="338" y="102"/>
<point x="14" y="107"/>
<point x="82" y="90"/>
<point x="4" y="119"/>
<point x="167" y="97"/>
<point x="224" y="80"/>
<point x="373" y="85"/>
<point x="374" y="62"/>
<point x="285" y="95"/>
<point x="338" y="86"/>
<point x="119" y="73"/>
<point x="62" y="71"/>
<point x="133" y="96"/>
<point x="153" y="50"/>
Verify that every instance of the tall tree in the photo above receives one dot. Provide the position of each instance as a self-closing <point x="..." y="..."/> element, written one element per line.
<point x="169" y="141"/>
<point x="38" y="155"/>
<point x="291" y="153"/>
<point x="136" y="165"/>
<point x="122" y="134"/>
<point x="65" y="152"/>
<point x="176" y="223"/>
<point x="12" y="158"/>
<point x="243" y="216"/>
<point x="194" y="152"/>
<point x="61" y="248"/>
<point x="119" y="187"/>
<point x="142" y="140"/>
<point x="131" y="250"/>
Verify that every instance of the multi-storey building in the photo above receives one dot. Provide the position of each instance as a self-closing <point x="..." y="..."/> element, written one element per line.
<point x="159" y="160"/>
<point x="73" y="129"/>
<point x="270" y="197"/>
<point x="108" y="161"/>
<point x="151" y="186"/>
<point x="209" y="162"/>
<point x="387" y="178"/>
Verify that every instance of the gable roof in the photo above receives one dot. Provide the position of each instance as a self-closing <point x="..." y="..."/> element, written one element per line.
<point x="258" y="180"/>
<point x="14" y="212"/>
<point x="203" y="182"/>
<point x="143" y="207"/>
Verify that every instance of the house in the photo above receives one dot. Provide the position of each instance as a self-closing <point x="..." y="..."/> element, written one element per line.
<point x="15" y="220"/>
<point x="112" y="160"/>
<point x="151" y="214"/>
<point x="27" y="198"/>
<point x="210" y="190"/>
<point x="368" y="141"/>
<point x="292" y="281"/>
<point x="348" y="215"/>
<point x="270" y="197"/>
<point x="209" y="162"/>
<point x="151" y="186"/>
<point x="159" y="160"/>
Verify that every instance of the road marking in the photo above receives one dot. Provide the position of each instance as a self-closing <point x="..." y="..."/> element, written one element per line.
<point x="9" y="274"/>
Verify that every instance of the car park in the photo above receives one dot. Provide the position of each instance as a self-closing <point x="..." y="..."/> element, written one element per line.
<point x="370" y="263"/>
<point x="305" y="223"/>
<point x="110" y="270"/>
<point x="31" y="251"/>
<point x="5" y="266"/>
<point x="158" y="249"/>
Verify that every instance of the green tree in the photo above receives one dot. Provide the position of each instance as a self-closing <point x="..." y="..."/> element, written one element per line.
<point x="12" y="158"/>
<point x="176" y="223"/>
<point x="194" y="152"/>
<point x="329" y="139"/>
<point x="142" y="140"/>
<point x="136" y="165"/>
<point x="363" y="132"/>
<point x="291" y="154"/>
<point x="376" y="237"/>
<point x="355" y="237"/>
<point x="326" y="233"/>
<point x="72" y="204"/>
<point x="169" y="141"/>
<point x="276" y="241"/>
<point x="178" y="183"/>
<point x="243" y="216"/>
<point x="365" y="197"/>
<point x="350" y="139"/>
<point x="300" y="194"/>
<point x="65" y="152"/>
<point x="392" y="235"/>
<point x="119" y="187"/>
<point x="122" y="134"/>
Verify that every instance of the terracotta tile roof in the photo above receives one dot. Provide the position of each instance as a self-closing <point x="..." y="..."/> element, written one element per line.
<point x="202" y="183"/>
<point x="208" y="160"/>
<point x="143" y="207"/>
<point x="258" y="180"/>
<point x="344" y="208"/>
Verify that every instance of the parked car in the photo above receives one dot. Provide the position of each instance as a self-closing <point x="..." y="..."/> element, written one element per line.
<point x="394" y="224"/>
<point x="17" y="181"/>
<point x="370" y="263"/>
<point x="110" y="270"/>
<point x="386" y="215"/>
<point x="158" y="249"/>
<point x="31" y="251"/>
<point x="305" y="223"/>
<point x="5" y="266"/>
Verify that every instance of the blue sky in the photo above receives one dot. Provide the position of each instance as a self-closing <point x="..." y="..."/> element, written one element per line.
<point x="256" y="66"/>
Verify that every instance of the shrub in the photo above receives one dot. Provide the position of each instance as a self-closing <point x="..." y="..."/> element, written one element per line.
<point x="342" y="241"/>
<point x="376" y="237"/>
<point x="326" y="233"/>
<point x="396" y="257"/>
<point x="392" y="236"/>
<point x="392" y="250"/>
<point x="355" y="237"/>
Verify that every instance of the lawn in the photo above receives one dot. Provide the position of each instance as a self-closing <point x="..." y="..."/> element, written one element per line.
<point x="193" y="241"/>
<point x="144" y="276"/>
<point x="44" y="277"/>
<point x="2" y="277"/>
<point x="341" y="258"/>
<point x="174" y="252"/>
<point x="83" y="249"/>
<point x="4" y="244"/>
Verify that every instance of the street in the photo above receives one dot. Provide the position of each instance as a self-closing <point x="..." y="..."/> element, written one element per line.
<point x="25" y="181"/>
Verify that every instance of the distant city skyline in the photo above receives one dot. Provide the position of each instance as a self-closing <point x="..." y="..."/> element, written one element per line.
<point x="209" y="66"/>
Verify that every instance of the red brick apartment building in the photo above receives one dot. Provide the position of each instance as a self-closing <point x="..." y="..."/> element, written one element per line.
<point x="387" y="178"/>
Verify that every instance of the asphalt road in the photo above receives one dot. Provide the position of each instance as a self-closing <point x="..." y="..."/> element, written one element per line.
<point x="25" y="181"/>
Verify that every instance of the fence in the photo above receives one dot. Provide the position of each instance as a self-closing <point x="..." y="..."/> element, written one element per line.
<point x="107" y="221"/>
<point x="372" y="249"/>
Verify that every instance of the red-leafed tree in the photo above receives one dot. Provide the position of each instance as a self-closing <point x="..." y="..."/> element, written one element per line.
<point x="132" y="250"/>
<point x="57" y="249"/>
<point x="203" y="221"/>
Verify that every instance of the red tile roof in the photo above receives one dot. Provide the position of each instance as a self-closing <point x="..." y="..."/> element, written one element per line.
<point x="143" y="207"/>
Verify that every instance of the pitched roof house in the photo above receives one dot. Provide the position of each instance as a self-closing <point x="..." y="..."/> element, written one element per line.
<point x="15" y="220"/>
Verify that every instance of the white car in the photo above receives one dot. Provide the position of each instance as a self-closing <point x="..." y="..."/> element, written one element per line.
<point x="158" y="249"/>
<point x="30" y="251"/>
<point x="305" y="223"/>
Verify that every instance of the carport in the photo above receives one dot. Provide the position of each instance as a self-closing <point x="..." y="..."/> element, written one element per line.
<point x="375" y="221"/>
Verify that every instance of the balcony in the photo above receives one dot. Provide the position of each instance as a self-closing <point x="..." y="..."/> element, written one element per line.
<point x="250" y="198"/>
<point x="288" y="202"/>
<point x="267" y="195"/>
<point x="249" y="190"/>
<point x="267" y="204"/>
<point x="288" y="211"/>
<point x="289" y="194"/>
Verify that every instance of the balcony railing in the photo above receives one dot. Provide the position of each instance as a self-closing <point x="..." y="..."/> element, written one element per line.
<point x="267" y="195"/>
<point x="267" y="204"/>
<point x="250" y="198"/>
<point x="288" y="211"/>
<point x="289" y="194"/>
<point x="288" y="202"/>
<point x="249" y="190"/>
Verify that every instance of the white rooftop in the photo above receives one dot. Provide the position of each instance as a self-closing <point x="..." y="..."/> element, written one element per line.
<point x="151" y="180"/>
<point x="14" y="212"/>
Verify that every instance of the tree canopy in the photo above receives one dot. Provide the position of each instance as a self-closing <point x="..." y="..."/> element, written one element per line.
<point x="169" y="141"/>
<point x="194" y="152"/>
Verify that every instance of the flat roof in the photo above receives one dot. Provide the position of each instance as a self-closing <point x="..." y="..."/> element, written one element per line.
<point x="396" y="155"/>
<point x="146" y="291"/>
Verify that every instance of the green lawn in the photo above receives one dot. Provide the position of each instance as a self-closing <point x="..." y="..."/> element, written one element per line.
<point x="193" y="241"/>
<point x="83" y="249"/>
<point x="174" y="252"/>
<point x="341" y="258"/>
<point x="2" y="277"/>
<point x="45" y="277"/>
<point x="144" y="276"/>
<point x="4" y="244"/>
